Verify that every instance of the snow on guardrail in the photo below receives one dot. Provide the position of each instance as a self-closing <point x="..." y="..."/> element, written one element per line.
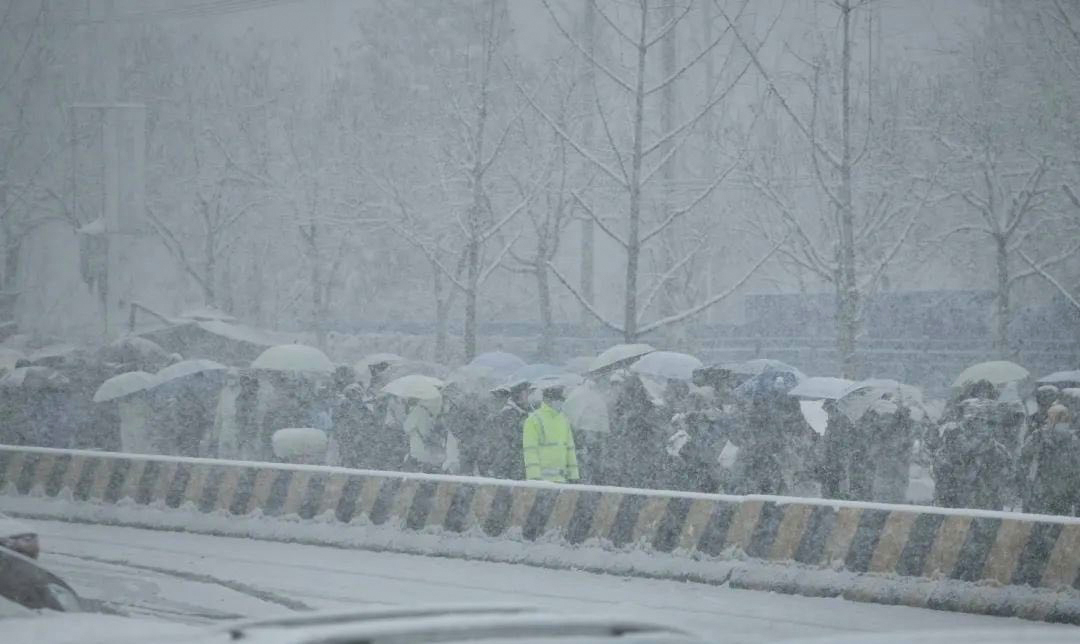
<point x="982" y="561"/>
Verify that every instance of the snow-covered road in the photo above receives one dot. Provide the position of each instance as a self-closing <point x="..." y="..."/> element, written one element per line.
<point x="198" y="578"/>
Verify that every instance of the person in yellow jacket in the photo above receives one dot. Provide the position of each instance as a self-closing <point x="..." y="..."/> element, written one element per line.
<point x="548" y="442"/>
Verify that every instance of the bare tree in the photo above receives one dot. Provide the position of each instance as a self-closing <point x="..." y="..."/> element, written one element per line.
<point x="1042" y="267"/>
<point x="634" y="167"/>
<point x="996" y="175"/>
<point x="872" y="201"/>
<point x="220" y="227"/>
<point x="1006" y="201"/>
<point x="211" y="157"/>
<point x="477" y="123"/>
<point x="29" y="195"/>
<point x="548" y="216"/>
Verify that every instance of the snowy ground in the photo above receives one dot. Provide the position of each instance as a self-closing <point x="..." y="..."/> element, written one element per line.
<point x="198" y="578"/>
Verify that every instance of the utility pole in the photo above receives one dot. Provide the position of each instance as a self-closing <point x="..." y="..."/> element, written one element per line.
<point x="110" y="158"/>
<point x="123" y="182"/>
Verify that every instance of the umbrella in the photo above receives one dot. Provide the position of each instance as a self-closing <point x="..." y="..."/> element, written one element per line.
<point x="52" y="355"/>
<point x="413" y="367"/>
<point x="125" y="384"/>
<point x="998" y="372"/>
<point x="668" y="364"/>
<point x="861" y="396"/>
<point x="758" y="366"/>
<point x="294" y="357"/>
<point x="530" y="373"/>
<point x="586" y="409"/>
<point x="564" y="380"/>
<point x="821" y="388"/>
<point x="207" y="314"/>
<point x="134" y="349"/>
<point x="33" y="378"/>
<point x="415" y="386"/>
<point x="764" y="382"/>
<point x="1059" y="378"/>
<point x="187" y="368"/>
<point x="619" y="355"/>
<point x="477" y="380"/>
<point x="579" y="364"/>
<point x="501" y="362"/>
<point x="368" y="361"/>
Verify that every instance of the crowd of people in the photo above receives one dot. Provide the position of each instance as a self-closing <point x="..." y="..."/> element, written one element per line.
<point x="725" y="429"/>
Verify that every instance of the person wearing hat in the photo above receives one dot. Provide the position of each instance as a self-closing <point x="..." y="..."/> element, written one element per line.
<point x="500" y="456"/>
<point x="972" y="465"/>
<point x="1050" y="462"/>
<point x="1045" y="396"/>
<point x="548" y="442"/>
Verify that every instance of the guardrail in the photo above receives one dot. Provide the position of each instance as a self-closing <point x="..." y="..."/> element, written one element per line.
<point x="1016" y="564"/>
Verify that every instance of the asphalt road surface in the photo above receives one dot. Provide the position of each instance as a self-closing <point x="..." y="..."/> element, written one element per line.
<point x="201" y="579"/>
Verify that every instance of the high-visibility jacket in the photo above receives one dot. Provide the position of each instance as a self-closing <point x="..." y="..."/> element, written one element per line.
<point x="548" y="443"/>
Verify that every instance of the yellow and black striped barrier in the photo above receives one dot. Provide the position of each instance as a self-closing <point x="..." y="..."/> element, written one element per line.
<point x="897" y="541"/>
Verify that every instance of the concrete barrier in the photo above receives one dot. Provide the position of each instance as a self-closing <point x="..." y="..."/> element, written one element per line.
<point x="975" y="561"/>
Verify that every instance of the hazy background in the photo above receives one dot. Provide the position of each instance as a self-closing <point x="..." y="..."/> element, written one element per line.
<point x="310" y="165"/>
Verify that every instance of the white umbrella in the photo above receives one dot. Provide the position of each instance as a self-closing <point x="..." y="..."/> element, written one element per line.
<point x="294" y="357"/>
<point x="579" y="364"/>
<point x="998" y="372"/>
<point x="620" y="354"/>
<point x="207" y="314"/>
<point x="586" y="409"/>
<point x="186" y="368"/>
<point x="668" y="364"/>
<point x="135" y="349"/>
<point x="473" y="379"/>
<point x="415" y="386"/>
<point x="1059" y="377"/>
<point x="414" y="367"/>
<point x="821" y="388"/>
<point x="125" y="384"/>
<point x="501" y="362"/>
<point x="758" y="366"/>
<point x="52" y="355"/>
<point x="863" y="395"/>
<point x="564" y="380"/>
<point x="369" y="361"/>
<point x="531" y="373"/>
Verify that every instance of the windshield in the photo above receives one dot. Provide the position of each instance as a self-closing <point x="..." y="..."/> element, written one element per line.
<point x="414" y="320"/>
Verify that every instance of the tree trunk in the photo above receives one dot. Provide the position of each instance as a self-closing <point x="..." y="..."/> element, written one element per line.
<point x="588" y="227"/>
<point x="12" y="244"/>
<point x="633" y="242"/>
<point x="543" y="298"/>
<point x="317" y="322"/>
<point x="1004" y="312"/>
<point x="668" y="305"/>
<point x="709" y="161"/>
<point x="209" y="283"/>
<point x="442" y="314"/>
<point x="847" y="291"/>
<point x="470" y="298"/>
